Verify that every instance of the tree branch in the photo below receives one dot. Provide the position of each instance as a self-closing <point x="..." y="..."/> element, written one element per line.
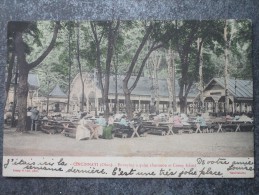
<point x="153" y="48"/>
<point x="98" y="53"/>
<point x="135" y="58"/>
<point x="49" y="48"/>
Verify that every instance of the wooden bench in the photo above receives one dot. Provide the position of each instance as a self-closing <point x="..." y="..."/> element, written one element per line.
<point x="120" y="134"/>
<point x="49" y="129"/>
<point x="69" y="132"/>
<point x="246" y="127"/>
<point x="190" y="131"/>
<point x="157" y="130"/>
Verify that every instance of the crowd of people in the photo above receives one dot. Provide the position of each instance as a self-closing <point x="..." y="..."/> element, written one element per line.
<point x="91" y="127"/>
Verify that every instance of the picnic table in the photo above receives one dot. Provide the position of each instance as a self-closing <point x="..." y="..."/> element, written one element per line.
<point x="65" y="123"/>
<point x="50" y="126"/>
<point x="240" y="123"/>
<point x="70" y="129"/>
<point x="158" y="127"/>
<point x="169" y="125"/>
<point x="133" y="129"/>
<point x="234" y="125"/>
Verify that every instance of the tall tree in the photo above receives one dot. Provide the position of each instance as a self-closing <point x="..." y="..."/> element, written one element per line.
<point x="19" y="29"/>
<point x="10" y="64"/>
<point x="82" y="102"/>
<point x="183" y="35"/>
<point x="170" y="59"/>
<point x="226" y="67"/>
<point x="128" y="89"/>
<point x="155" y="61"/>
<point x="70" y="26"/>
<point x="110" y="30"/>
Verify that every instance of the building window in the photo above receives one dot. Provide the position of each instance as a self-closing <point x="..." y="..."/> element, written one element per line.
<point x="215" y="93"/>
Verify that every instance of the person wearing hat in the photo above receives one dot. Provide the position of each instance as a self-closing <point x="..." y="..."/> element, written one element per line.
<point x="34" y="118"/>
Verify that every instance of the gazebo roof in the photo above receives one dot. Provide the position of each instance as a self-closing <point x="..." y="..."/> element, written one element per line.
<point x="57" y="92"/>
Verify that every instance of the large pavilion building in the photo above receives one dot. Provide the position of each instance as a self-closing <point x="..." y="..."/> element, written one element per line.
<point x="140" y="96"/>
<point x="240" y="95"/>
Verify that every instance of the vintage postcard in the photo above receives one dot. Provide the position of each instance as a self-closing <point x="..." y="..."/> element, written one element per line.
<point x="129" y="99"/>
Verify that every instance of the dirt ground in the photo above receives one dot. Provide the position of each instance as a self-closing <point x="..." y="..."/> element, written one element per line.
<point x="229" y="144"/>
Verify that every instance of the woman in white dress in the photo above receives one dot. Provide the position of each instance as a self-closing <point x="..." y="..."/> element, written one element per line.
<point x="82" y="131"/>
<point x="88" y="129"/>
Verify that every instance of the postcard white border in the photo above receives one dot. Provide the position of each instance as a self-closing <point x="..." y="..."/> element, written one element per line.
<point x="128" y="167"/>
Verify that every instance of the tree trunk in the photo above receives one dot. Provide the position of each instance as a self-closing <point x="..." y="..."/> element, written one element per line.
<point x="127" y="90"/>
<point x="128" y="105"/>
<point x="154" y="66"/>
<point x="184" y="50"/>
<point x="80" y="69"/>
<point x="14" y="95"/>
<point x="112" y="36"/>
<point x="69" y="71"/>
<point x="182" y="104"/>
<point x="199" y="43"/>
<point x="22" y="100"/>
<point x="116" y="104"/>
<point x="156" y="90"/>
<point x="9" y="75"/>
<point x="226" y="70"/>
<point x="171" y="81"/>
<point x="23" y="82"/>
<point x="110" y="47"/>
<point x="152" y="97"/>
<point x="24" y="69"/>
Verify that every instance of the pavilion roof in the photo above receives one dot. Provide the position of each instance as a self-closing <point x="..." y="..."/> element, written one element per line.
<point x="57" y="92"/>
<point x="144" y="86"/>
<point x="237" y="87"/>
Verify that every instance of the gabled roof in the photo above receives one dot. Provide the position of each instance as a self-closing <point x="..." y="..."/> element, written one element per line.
<point x="237" y="87"/>
<point x="57" y="92"/>
<point x="144" y="86"/>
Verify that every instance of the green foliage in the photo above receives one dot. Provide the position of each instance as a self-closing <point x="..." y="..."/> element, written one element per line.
<point x="181" y="36"/>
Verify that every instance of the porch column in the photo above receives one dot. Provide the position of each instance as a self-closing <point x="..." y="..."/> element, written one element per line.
<point x="216" y="106"/>
<point x="97" y="104"/>
<point x="233" y="107"/>
<point x="111" y="106"/>
<point x="87" y="104"/>
<point x="139" y="103"/>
